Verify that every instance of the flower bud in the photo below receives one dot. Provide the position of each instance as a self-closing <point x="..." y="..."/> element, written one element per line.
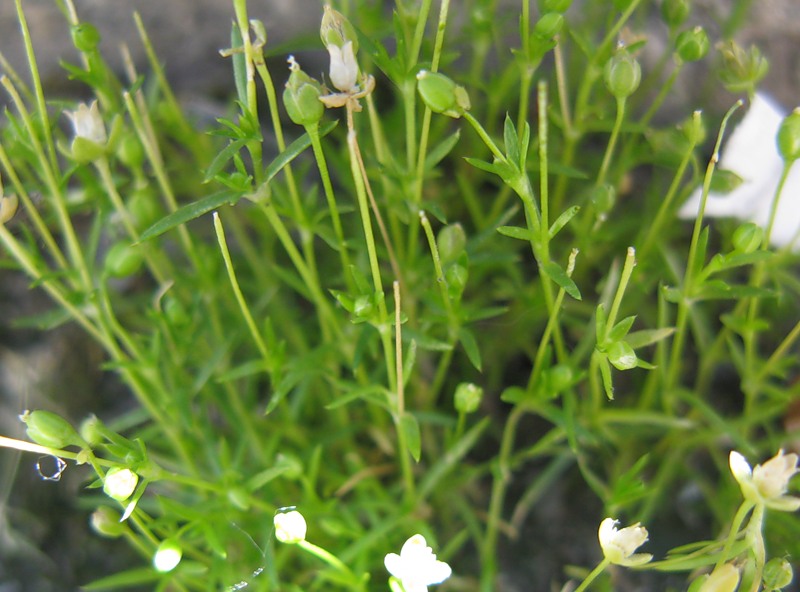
<point x="724" y="579"/>
<point x="603" y="198"/>
<point x="123" y="260"/>
<point x="789" y="137"/>
<point x="144" y="207"/>
<point x="621" y="355"/>
<point x="548" y="26"/>
<point x="622" y="74"/>
<point x="8" y="207"/>
<point x="777" y="574"/>
<point x="90" y="133"/>
<point x="301" y="96"/>
<point x="468" y="397"/>
<point x="337" y="30"/>
<point x="344" y="68"/>
<point x="748" y="237"/>
<point x="741" y="70"/>
<point x="105" y="522"/>
<point x="167" y="556"/>
<point x="674" y="12"/>
<point x="442" y="95"/>
<point x="559" y="377"/>
<point x="290" y="527"/>
<point x="451" y="242"/>
<point x="85" y="37"/>
<point x="130" y="150"/>
<point x="694" y="129"/>
<point x="91" y="430"/>
<point x="692" y="45"/>
<point x="119" y="483"/>
<point x="51" y="430"/>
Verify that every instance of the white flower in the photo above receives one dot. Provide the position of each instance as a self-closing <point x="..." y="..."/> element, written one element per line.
<point x="290" y="527"/>
<point x="416" y="567"/>
<point x="724" y="579"/>
<point x="167" y="556"/>
<point x="88" y="123"/>
<point x="344" y="68"/>
<point x="767" y="484"/>
<point x="752" y="153"/>
<point x="619" y="545"/>
<point x="120" y="483"/>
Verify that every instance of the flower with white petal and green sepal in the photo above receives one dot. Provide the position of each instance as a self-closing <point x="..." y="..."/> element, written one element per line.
<point x="767" y="484"/>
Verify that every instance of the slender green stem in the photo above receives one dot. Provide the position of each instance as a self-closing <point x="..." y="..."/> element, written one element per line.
<point x="601" y="567"/>
<point x="627" y="270"/>
<point x="612" y="142"/>
<point x="736" y="526"/>
<point x="245" y="309"/>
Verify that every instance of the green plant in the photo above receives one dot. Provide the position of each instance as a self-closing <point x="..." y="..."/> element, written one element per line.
<point x="538" y="278"/>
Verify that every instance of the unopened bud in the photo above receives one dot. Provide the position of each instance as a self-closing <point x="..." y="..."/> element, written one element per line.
<point x="622" y="74"/>
<point x="442" y="95"/>
<point x="85" y="37"/>
<point x="748" y="237"/>
<point x="777" y="574"/>
<point x="451" y="242"/>
<point x="337" y="30"/>
<point x="789" y="137"/>
<point x="105" y="522"/>
<point x="120" y="483"/>
<point x="692" y="45"/>
<point x="51" y="430"/>
<point x="167" y="556"/>
<point x="8" y="207"/>
<point x="674" y="12"/>
<point x="301" y="96"/>
<point x="468" y="397"/>
<point x="290" y="527"/>
<point x="123" y="260"/>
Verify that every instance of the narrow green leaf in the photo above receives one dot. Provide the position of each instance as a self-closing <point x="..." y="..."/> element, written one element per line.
<point x="647" y="337"/>
<point x="511" y="140"/>
<point x="239" y="64"/>
<point x="620" y="330"/>
<point x="470" y="345"/>
<point x="605" y="372"/>
<point x="600" y="323"/>
<point x="559" y="276"/>
<point x="221" y="159"/>
<point x="410" y="427"/>
<point x="293" y="150"/>
<point x="441" y="150"/>
<point x="563" y="219"/>
<point x="126" y="579"/>
<point x="451" y="458"/>
<point x="189" y="212"/>
<point x="482" y="165"/>
<point x="517" y="232"/>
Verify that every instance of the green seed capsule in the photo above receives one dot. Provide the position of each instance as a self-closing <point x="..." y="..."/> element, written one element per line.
<point x="789" y="137"/>
<point x="442" y="95"/>
<point x="548" y="26"/>
<point x="336" y="30"/>
<point x="301" y="97"/>
<point x="557" y="5"/>
<point x="748" y="237"/>
<point x="622" y="74"/>
<point x="49" y="429"/>
<point x="468" y="397"/>
<point x="777" y="574"/>
<point x="123" y="260"/>
<point x="692" y="45"/>
<point x="674" y="12"/>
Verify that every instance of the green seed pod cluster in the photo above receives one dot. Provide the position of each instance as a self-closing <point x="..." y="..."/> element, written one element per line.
<point x="301" y="97"/>
<point x="789" y="137"/>
<point x="692" y="45"/>
<point x="622" y="74"/>
<point x="442" y="95"/>
<point x="741" y="70"/>
<point x="49" y="429"/>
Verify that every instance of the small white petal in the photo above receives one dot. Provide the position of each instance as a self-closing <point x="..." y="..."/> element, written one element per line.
<point x="394" y="564"/>
<point x="739" y="467"/>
